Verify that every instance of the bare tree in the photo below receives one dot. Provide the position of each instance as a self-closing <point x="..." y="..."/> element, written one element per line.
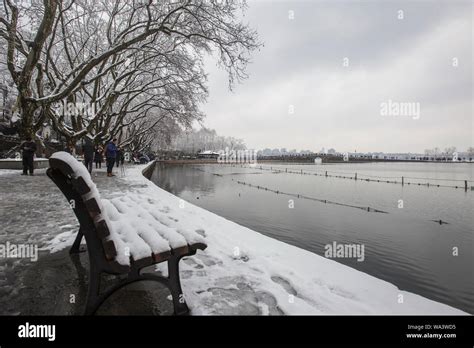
<point x="150" y="133"/>
<point x="205" y="139"/>
<point x="166" y="82"/>
<point x="449" y="152"/>
<point x="64" y="50"/>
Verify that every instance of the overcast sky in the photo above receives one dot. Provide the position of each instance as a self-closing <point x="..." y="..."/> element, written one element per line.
<point x="301" y="64"/>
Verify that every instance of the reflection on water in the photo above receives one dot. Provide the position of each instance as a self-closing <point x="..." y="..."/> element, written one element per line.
<point x="405" y="247"/>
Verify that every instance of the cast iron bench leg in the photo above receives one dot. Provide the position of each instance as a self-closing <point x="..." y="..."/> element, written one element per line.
<point x="179" y="303"/>
<point x="95" y="299"/>
<point x="93" y="293"/>
<point x="75" y="249"/>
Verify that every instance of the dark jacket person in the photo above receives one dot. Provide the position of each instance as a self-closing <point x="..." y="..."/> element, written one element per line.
<point x="119" y="157"/>
<point x="28" y="148"/>
<point x="110" y="156"/>
<point x="88" y="152"/>
<point x="98" y="156"/>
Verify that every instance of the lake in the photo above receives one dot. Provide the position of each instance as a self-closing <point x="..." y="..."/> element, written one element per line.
<point x="404" y="243"/>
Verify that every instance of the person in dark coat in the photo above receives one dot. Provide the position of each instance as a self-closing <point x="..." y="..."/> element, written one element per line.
<point x="28" y="148"/>
<point x="110" y="156"/>
<point x="88" y="152"/>
<point x="98" y="156"/>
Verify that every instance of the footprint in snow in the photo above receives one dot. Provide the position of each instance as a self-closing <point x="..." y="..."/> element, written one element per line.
<point x="165" y="210"/>
<point x="201" y="232"/>
<point x="340" y="292"/>
<point x="285" y="284"/>
<point x="192" y="262"/>
<point x="243" y="300"/>
<point x="188" y="274"/>
<point x="208" y="260"/>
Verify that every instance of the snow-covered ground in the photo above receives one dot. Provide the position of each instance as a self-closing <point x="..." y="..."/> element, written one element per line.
<point x="245" y="272"/>
<point x="8" y="171"/>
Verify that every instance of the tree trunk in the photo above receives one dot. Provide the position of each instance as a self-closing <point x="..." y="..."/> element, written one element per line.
<point x="27" y="110"/>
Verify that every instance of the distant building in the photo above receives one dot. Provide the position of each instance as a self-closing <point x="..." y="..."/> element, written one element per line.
<point x="208" y="154"/>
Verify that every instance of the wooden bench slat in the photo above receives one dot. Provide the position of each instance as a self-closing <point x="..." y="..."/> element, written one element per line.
<point x="180" y="251"/>
<point x="93" y="207"/>
<point x="143" y="262"/>
<point x="102" y="229"/>
<point x="163" y="256"/>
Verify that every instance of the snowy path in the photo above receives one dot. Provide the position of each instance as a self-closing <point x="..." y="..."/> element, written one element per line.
<point x="241" y="271"/>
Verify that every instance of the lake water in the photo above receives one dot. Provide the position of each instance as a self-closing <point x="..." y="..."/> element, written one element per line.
<point x="405" y="245"/>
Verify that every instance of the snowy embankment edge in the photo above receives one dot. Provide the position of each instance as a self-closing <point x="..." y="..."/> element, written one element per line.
<point x="317" y="278"/>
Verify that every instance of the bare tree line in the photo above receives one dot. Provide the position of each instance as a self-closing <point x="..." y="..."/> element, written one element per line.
<point x="447" y="152"/>
<point x="204" y="139"/>
<point x="136" y="65"/>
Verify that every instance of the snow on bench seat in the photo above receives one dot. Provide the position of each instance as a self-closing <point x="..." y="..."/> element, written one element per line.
<point x="129" y="226"/>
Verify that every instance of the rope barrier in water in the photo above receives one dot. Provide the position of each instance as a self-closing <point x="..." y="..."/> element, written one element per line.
<point x="296" y="195"/>
<point x="369" y="178"/>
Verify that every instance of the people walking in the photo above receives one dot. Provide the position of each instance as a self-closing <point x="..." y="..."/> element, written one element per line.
<point x="88" y="152"/>
<point x="98" y="156"/>
<point x="28" y="148"/>
<point x="110" y="156"/>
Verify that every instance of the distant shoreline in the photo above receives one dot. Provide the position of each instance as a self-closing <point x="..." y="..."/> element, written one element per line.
<point x="302" y="162"/>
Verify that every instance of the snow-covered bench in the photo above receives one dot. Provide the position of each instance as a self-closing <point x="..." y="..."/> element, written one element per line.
<point x="123" y="236"/>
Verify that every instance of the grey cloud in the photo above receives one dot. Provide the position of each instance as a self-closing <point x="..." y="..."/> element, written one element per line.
<point x="301" y="64"/>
